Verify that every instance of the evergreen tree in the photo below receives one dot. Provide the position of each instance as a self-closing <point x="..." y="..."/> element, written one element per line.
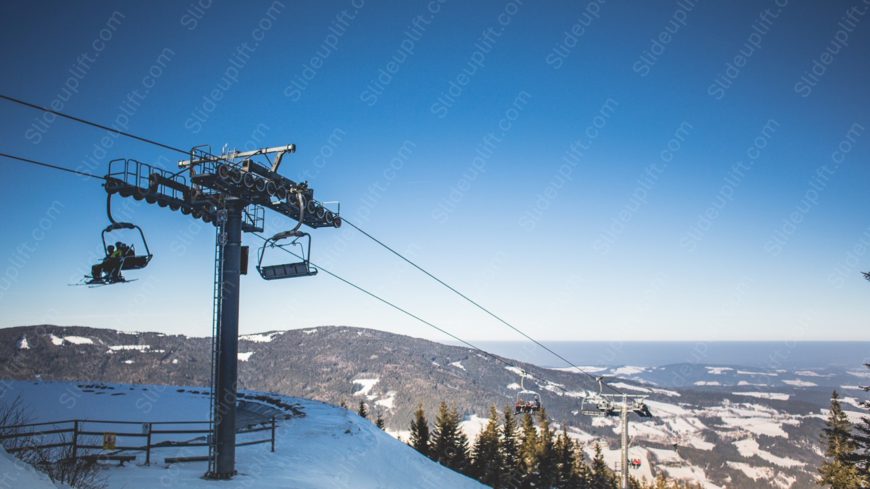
<point x="546" y="463"/>
<point x="510" y="453"/>
<point x="838" y="471"/>
<point x="362" y="411"/>
<point x="486" y="456"/>
<point x="379" y="422"/>
<point x="861" y="438"/>
<point x="601" y="476"/>
<point x="529" y="453"/>
<point x="567" y="476"/>
<point x="420" y="432"/>
<point x="584" y="473"/>
<point x="449" y="445"/>
<point x="343" y="404"/>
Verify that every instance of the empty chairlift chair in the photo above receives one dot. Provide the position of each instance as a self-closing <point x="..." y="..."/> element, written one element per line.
<point x="301" y="268"/>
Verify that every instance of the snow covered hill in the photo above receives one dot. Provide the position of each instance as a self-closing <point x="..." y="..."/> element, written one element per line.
<point x="327" y="447"/>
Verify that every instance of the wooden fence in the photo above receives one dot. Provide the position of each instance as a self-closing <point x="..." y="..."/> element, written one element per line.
<point x="82" y="437"/>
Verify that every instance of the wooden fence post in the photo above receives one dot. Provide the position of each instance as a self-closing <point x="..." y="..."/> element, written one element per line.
<point x="75" y="440"/>
<point x="148" y="444"/>
<point x="273" y="434"/>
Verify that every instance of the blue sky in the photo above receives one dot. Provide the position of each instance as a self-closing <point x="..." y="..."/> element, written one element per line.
<point x="591" y="171"/>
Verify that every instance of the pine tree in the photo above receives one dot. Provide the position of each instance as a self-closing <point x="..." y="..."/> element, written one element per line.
<point x="546" y="462"/>
<point x="449" y="445"/>
<point x="861" y="438"/>
<point x="420" y="432"/>
<point x="567" y="476"/>
<point x="584" y="473"/>
<point x="362" y="411"/>
<point x="486" y="456"/>
<point x="510" y="470"/>
<point x="529" y="453"/>
<point x="379" y="422"/>
<point x="838" y="471"/>
<point x="601" y="476"/>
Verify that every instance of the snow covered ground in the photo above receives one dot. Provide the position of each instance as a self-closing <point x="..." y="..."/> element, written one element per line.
<point x="328" y="447"/>
<point x="20" y="475"/>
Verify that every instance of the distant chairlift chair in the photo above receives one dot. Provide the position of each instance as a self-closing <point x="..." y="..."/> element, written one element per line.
<point x="528" y="401"/>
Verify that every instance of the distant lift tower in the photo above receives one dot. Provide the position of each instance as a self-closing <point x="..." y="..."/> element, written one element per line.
<point x="231" y="191"/>
<point x="617" y="405"/>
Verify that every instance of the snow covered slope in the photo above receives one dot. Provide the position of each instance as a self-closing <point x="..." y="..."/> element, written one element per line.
<point x="20" y="475"/>
<point x="327" y="447"/>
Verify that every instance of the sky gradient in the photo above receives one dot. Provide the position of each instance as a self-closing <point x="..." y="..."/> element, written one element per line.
<point x="590" y="171"/>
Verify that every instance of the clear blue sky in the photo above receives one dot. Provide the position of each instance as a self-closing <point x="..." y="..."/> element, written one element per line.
<point x="602" y="170"/>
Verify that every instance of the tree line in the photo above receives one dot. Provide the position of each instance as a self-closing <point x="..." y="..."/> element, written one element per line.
<point x="514" y="452"/>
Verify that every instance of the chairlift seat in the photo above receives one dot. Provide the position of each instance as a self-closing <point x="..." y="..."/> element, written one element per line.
<point x="286" y="270"/>
<point x="135" y="262"/>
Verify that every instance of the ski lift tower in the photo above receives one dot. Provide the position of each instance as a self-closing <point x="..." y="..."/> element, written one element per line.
<point x="230" y="191"/>
<point x="617" y="405"/>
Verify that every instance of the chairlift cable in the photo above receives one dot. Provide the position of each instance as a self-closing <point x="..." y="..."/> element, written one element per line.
<point x="54" y="167"/>
<point x="89" y="123"/>
<point x="473" y="302"/>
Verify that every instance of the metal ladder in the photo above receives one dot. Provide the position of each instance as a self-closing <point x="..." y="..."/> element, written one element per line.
<point x="217" y="300"/>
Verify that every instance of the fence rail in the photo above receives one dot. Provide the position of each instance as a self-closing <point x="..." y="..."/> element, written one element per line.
<point x="53" y="436"/>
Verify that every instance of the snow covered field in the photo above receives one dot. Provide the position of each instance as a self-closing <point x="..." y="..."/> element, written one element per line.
<point x="328" y="447"/>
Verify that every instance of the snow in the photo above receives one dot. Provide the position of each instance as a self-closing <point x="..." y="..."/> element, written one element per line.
<point x="690" y="473"/>
<point x="583" y="369"/>
<point x="129" y="362"/>
<point x="711" y="383"/>
<point x="366" y="384"/>
<point x="744" y="383"/>
<point x="799" y="383"/>
<point x="519" y="372"/>
<point x="756" y="425"/>
<point x="73" y="340"/>
<point x="748" y="372"/>
<point x="773" y="396"/>
<point x="473" y="425"/>
<point x="387" y="402"/>
<point x="174" y="361"/>
<point x="457" y="365"/>
<point x="810" y="373"/>
<point x="751" y="471"/>
<point x="666" y="456"/>
<point x="514" y="386"/>
<point x="628" y="370"/>
<point x="22" y="343"/>
<point x="129" y="347"/>
<point x="309" y="331"/>
<point x="718" y="370"/>
<point x="261" y="337"/>
<point x="244" y="357"/>
<point x="18" y="474"/>
<point x="328" y="447"/>
<point x="648" y="390"/>
<point x="749" y="447"/>
<point x="78" y="340"/>
<point x="865" y="374"/>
